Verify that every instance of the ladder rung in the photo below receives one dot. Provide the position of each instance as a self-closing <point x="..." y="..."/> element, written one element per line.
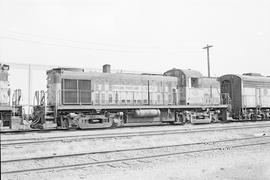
<point x="49" y="117"/>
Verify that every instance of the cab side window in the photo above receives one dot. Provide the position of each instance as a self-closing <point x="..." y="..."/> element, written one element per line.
<point x="194" y="82"/>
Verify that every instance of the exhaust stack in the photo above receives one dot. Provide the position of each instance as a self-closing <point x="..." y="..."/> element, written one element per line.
<point x="106" y="68"/>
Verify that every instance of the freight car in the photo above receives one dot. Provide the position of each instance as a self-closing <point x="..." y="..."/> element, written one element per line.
<point x="90" y="99"/>
<point x="5" y="108"/>
<point x="249" y="95"/>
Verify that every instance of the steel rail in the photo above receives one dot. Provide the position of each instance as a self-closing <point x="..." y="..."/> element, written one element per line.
<point x="90" y="129"/>
<point x="89" y="135"/>
<point x="104" y="129"/>
<point x="123" y="135"/>
<point x="136" y="158"/>
<point x="124" y="150"/>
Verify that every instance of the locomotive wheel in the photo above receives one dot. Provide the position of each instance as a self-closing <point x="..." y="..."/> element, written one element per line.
<point x="117" y="122"/>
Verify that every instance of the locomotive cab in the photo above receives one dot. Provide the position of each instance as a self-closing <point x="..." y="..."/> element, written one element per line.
<point x="194" y="89"/>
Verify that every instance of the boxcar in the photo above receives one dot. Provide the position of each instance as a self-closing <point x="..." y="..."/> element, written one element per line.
<point x="249" y="95"/>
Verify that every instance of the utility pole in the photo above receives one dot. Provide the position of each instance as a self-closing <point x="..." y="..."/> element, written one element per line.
<point x="207" y="47"/>
<point x="29" y="88"/>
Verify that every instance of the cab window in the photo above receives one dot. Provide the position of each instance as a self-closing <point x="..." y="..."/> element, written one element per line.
<point x="194" y="82"/>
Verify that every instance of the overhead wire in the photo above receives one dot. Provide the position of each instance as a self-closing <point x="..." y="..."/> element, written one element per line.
<point x="77" y="41"/>
<point x="77" y="47"/>
<point x="134" y="50"/>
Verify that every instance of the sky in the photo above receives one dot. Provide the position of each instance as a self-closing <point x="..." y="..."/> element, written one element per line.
<point x="136" y="35"/>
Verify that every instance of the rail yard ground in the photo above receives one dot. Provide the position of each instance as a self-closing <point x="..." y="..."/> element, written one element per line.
<point x="214" y="151"/>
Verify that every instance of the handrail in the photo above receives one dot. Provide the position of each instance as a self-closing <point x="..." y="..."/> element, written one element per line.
<point x="94" y="97"/>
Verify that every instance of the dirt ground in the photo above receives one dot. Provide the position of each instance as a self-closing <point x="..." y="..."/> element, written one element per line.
<point x="251" y="163"/>
<point x="234" y="164"/>
<point x="237" y="163"/>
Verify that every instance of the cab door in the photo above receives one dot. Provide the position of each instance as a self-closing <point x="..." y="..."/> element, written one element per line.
<point x="258" y="100"/>
<point x="226" y="90"/>
<point x="174" y="96"/>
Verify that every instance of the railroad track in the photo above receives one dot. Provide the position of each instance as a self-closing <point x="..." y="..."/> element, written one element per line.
<point x="26" y="141"/>
<point x="69" y="161"/>
<point x="90" y="129"/>
<point x="103" y="129"/>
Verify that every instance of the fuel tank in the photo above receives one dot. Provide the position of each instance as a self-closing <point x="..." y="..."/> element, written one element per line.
<point x="147" y="113"/>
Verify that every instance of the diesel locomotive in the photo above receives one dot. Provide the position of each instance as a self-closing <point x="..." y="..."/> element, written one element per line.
<point x="91" y="99"/>
<point x="79" y="99"/>
<point x="5" y="108"/>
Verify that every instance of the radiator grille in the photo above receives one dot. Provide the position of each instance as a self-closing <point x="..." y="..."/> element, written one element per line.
<point x="85" y="91"/>
<point x="76" y="91"/>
